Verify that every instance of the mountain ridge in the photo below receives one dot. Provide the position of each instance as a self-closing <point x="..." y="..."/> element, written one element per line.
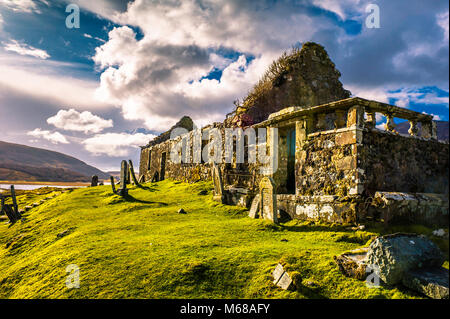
<point x="19" y="162"/>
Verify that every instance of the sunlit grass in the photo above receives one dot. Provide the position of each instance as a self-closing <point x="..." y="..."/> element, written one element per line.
<point x="140" y="247"/>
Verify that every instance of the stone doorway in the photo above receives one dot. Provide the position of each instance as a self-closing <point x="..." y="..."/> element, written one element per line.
<point x="284" y="176"/>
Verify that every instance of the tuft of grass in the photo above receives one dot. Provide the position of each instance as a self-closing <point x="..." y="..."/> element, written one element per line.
<point x="140" y="247"/>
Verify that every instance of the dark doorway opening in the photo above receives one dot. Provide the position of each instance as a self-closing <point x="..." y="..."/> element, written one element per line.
<point x="163" y="167"/>
<point x="290" y="182"/>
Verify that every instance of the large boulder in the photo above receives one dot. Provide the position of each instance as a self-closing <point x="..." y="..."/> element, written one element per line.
<point x="393" y="256"/>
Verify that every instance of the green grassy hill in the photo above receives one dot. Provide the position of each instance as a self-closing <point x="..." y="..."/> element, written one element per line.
<point x="140" y="247"/>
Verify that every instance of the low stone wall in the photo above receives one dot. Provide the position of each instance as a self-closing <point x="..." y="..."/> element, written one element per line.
<point x="418" y="208"/>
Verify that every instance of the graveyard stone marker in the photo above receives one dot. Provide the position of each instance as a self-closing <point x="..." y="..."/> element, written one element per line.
<point x="94" y="181"/>
<point x="254" y="209"/>
<point x="268" y="199"/>
<point x="113" y="184"/>
<point x="123" y="191"/>
<point x="218" y="183"/>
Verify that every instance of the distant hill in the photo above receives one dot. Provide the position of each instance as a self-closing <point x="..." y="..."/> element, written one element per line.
<point x="20" y="162"/>
<point x="441" y="128"/>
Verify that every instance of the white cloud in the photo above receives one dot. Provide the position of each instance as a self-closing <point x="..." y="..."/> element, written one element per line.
<point x="20" y="5"/>
<point x="47" y="81"/>
<point x="443" y="21"/>
<point x="72" y="120"/>
<point x="86" y="35"/>
<point x="24" y="49"/>
<point x="54" y="137"/>
<point x="342" y="8"/>
<point x="116" y="144"/>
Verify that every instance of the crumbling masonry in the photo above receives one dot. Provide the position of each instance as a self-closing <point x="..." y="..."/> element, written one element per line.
<point x="334" y="164"/>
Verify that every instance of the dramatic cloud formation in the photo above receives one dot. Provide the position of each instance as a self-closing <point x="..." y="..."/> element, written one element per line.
<point x="115" y="144"/>
<point x="72" y="120"/>
<point x="195" y="57"/>
<point x="24" y="49"/>
<point x="54" y="137"/>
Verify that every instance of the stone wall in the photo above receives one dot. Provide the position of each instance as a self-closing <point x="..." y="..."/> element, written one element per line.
<point x="397" y="163"/>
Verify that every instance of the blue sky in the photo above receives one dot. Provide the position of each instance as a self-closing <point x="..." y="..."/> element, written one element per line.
<point x="133" y="69"/>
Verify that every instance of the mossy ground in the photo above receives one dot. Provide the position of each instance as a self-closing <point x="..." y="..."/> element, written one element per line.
<point x="140" y="247"/>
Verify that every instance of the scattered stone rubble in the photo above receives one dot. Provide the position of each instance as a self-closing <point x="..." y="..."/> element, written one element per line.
<point x="408" y="259"/>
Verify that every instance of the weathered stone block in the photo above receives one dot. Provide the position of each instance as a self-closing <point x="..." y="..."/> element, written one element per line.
<point x="432" y="282"/>
<point x="345" y="163"/>
<point x="344" y="138"/>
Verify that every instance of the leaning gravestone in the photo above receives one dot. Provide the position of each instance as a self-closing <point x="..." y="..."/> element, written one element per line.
<point x="268" y="199"/>
<point x="94" y="181"/>
<point x="281" y="278"/>
<point x="133" y="176"/>
<point x="123" y="191"/>
<point x="218" y="184"/>
<point x="254" y="209"/>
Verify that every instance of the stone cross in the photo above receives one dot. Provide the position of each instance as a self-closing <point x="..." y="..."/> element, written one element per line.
<point x="268" y="199"/>
<point x="123" y="191"/>
<point x="218" y="183"/>
<point x="94" y="181"/>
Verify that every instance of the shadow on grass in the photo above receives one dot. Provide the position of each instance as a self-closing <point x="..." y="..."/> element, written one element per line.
<point x="311" y="228"/>
<point x="132" y="199"/>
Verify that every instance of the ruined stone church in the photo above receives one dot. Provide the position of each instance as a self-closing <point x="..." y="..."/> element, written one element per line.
<point x="334" y="164"/>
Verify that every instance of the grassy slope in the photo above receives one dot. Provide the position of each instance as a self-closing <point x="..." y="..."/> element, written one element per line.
<point x="141" y="248"/>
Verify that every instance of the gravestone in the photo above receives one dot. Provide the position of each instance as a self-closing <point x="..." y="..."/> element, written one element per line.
<point x="123" y="191"/>
<point x="254" y="209"/>
<point x="133" y="176"/>
<point x="218" y="183"/>
<point x="94" y="181"/>
<point x="281" y="278"/>
<point x="268" y="199"/>
<point x="127" y="175"/>
<point x="113" y="184"/>
<point x="14" y="200"/>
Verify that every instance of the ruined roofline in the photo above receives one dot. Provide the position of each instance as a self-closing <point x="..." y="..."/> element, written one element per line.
<point x="374" y="106"/>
